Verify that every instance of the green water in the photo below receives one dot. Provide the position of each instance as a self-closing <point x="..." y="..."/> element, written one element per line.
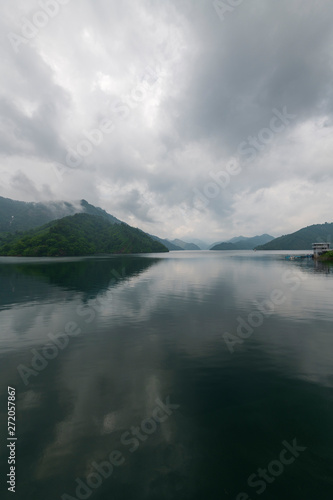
<point x="188" y="375"/>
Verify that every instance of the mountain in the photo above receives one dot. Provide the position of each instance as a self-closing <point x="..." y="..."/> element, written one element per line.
<point x="225" y="245"/>
<point x="251" y="243"/>
<point x="22" y="216"/>
<point x="166" y="243"/>
<point x="233" y="240"/>
<point x="19" y="216"/>
<point x="80" y="234"/>
<point x="302" y="239"/>
<point x="184" y="245"/>
<point x="203" y="245"/>
<point x="236" y="239"/>
<point x="243" y="243"/>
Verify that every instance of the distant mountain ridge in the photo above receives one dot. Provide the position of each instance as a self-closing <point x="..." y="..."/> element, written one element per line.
<point x="301" y="239"/>
<point x="224" y="246"/>
<point x="203" y="245"/>
<point x="19" y="216"/>
<point x="243" y="243"/>
<point x="237" y="238"/>
<point x="184" y="245"/>
<point x="166" y="243"/>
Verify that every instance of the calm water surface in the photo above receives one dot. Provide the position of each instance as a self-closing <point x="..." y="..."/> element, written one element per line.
<point x="191" y="375"/>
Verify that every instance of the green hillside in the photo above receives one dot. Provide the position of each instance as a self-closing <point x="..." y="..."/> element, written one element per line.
<point x="302" y="239"/>
<point x="23" y="216"/>
<point x="80" y="234"/>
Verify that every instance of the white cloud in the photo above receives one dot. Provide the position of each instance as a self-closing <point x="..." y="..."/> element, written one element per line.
<point x="183" y="90"/>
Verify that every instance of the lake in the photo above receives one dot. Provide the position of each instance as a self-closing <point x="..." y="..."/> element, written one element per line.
<point x="187" y="375"/>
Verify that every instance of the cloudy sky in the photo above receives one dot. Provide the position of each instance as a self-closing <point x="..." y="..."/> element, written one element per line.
<point x="186" y="118"/>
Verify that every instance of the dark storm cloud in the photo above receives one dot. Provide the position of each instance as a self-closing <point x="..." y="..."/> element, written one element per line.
<point x="187" y="92"/>
<point x="31" y="108"/>
<point x="22" y="183"/>
<point x="263" y="56"/>
<point x="135" y="204"/>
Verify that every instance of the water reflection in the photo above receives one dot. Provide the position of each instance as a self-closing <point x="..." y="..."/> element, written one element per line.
<point x="153" y="331"/>
<point x="323" y="267"/>
<point x="22" y="280"/>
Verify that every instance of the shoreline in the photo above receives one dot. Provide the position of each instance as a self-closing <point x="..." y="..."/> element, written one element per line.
<point x="326" y="257"/>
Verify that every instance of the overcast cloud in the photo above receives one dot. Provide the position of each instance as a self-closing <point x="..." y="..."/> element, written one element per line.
<point x="179" y="91"/>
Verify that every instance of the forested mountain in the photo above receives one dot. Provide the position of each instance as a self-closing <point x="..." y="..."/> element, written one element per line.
<point x="80" y="234"/>
<point x="302" y="239"/>
<point x="243" y="243"/>
<point x="22" y="216"/>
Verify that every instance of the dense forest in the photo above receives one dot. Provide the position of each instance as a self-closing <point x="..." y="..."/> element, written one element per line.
<point x="79" y="234"/>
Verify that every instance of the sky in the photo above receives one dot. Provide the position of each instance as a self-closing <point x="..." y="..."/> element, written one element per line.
<point x="186" y="118"/>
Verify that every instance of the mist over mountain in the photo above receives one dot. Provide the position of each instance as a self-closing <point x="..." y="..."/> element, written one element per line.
<point x="23" y="216"/>
<point x="204" y="245"/>
<point x="19" y="216"/>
